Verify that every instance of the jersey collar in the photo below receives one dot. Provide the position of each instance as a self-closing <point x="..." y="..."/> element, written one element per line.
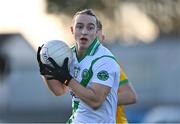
<point x="90" y="51"/>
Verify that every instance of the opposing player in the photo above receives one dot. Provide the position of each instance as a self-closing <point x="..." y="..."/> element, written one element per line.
<point x="94" y="74"/>
<point x="126" y="92"/>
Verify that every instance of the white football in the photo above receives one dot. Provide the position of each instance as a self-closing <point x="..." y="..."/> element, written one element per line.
<point x="56" y="49"/>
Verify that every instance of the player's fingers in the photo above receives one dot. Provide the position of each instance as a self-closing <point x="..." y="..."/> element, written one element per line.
<point x="44" y="72"/>
<point x="53" y="62"/>
<point x="48" y="67"/>
<point x="38" y="53"/>
<point x="65" y="64"/>
<point x="50" y="78"/>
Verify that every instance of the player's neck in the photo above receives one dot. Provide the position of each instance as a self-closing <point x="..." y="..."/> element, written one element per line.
<point x="80" y="53"/>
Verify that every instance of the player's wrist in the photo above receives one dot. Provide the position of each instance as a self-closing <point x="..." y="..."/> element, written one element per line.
<point x="66" y="82"/>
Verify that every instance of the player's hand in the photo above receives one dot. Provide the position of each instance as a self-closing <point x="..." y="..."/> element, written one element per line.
<point x="42" y="68"/>
<point x="59" y="73"/>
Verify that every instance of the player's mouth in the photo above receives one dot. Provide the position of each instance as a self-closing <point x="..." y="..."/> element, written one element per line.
<point x="83" y="40"/>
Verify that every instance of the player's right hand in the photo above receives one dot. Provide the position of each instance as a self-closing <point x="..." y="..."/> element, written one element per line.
<point x="60" y="73"/>
<point x="42" y="68"/>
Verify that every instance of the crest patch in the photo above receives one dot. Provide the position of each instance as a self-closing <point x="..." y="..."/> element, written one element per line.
<point x="103" y="75"/>
<point x="85" y="74"/>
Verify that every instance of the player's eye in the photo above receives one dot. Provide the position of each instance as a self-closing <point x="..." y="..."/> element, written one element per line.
<point x="90" y="28"/>
<point x="79" y="27"/>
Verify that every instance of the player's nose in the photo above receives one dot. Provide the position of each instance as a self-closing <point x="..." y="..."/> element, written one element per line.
<point x="84" y="31"/>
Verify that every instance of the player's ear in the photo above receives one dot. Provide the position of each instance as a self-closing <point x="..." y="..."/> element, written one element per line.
<point x="72" y="31"/>
<point x="103" y="37"/>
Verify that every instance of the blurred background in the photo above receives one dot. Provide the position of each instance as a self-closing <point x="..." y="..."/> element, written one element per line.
<point x="143" y="34"/>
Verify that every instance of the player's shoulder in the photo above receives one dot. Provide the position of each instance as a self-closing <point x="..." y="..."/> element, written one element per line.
<point x="102" y="50"/>
<point x="104" y="57"/>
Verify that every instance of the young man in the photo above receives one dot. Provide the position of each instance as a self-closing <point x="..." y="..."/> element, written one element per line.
<point x="126" y="93"/>
<point x="94" y="74"/>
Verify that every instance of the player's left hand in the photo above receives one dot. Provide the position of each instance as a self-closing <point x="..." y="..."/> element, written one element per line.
<point x="59" y="73"/>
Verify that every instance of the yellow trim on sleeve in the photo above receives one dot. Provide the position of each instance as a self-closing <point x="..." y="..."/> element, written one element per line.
<point x="123" y="77"/>
<point x="120" y="115"/>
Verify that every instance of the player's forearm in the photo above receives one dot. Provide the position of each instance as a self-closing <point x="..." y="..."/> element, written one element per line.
<point x="55" y="87"/>
<point x="88" y="95"/>
<point x="126" y="94"/>
<point x="126" y="98"/>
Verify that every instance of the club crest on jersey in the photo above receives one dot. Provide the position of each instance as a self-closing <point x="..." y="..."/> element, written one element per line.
<point x="85" y="74"/>
<point x="103" y="75"/>
<point x="76" y="71"/>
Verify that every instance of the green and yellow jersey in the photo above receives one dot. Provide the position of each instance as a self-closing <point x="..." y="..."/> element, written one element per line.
<point x="120" y="115"/>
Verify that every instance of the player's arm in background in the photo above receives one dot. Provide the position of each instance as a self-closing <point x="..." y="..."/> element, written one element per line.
<point x="126" y="92"/>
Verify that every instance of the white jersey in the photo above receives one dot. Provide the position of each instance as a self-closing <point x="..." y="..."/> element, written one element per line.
<point x="100" y="65"/>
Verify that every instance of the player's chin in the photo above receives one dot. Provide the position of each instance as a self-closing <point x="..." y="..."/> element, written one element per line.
<point x="83" y="46"/>
<point x="84" y="42"/>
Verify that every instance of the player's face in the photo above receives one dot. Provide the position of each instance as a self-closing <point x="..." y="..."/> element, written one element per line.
<point x="84" y="30"/>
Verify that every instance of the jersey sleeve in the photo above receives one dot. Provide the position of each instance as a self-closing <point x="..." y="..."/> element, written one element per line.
<point x="123" y="77"/>
<point x="105" y="71"/>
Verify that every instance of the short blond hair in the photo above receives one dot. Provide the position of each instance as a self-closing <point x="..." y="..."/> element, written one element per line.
<point x="87" y="12"/>
<point x="99" y="25"/>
